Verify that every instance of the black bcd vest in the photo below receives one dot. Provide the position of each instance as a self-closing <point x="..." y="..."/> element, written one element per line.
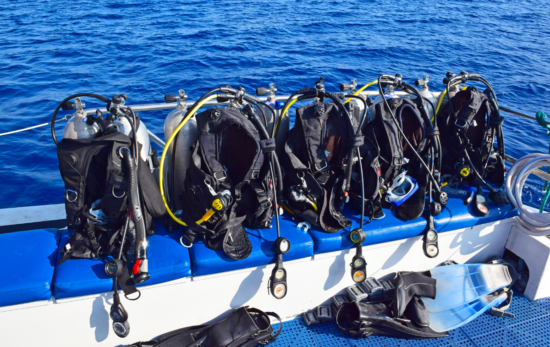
<point x="229" y="156"/>
<point x="95" y="182"/>
<point x="476" y="124"/>
<point x="317" y="150"/>
<point x="385" y="154"/>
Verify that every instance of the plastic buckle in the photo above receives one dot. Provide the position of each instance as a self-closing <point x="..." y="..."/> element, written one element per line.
<point x="357" y="293"/>
<point x="458" y="125"/>
<point x="324" y="313"/>
<point x="215" y="174"/>
<point x="310" y="319"/>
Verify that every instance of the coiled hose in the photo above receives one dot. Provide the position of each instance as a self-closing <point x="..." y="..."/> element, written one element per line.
<point x="133" y="198"/>
<point x="533" y="222"/>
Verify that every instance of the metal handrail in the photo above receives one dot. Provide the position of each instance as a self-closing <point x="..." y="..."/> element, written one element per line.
<point x="369" y="93"/>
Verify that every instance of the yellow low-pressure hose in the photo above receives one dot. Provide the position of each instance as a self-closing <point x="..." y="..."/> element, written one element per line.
<point x="163" y="157"/>
<point x="284" y="112"/>
<point x="441" y="97"/>
<point x="362" y="88"/>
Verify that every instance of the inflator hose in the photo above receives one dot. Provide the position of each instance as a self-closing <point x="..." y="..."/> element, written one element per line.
<point x="133" y="198"/>
<point x="273" y="156"/>
<point x="533" y="222"/>
<point x="54" y="116"/>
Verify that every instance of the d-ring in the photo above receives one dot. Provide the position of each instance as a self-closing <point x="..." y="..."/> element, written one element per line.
<point x="139" y="296"/>
<point x="183" y="243"/>
<point x="67" y="195"/>
<point x="118" y="197"/>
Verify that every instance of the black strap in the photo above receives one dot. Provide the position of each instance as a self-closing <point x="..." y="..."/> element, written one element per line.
<point x="127" y="284"/>
<point x="392" y="133"/>
<point x="268" y="145"/>
<point x="431" y="132"/>
<point x="356" y="141"/>
<point x="468" y="112"/>
<point x="274" y="337"/>
<point x="151" y="343"/>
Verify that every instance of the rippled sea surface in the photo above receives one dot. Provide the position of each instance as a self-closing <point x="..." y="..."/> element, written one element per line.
<point x="51" y="49"/>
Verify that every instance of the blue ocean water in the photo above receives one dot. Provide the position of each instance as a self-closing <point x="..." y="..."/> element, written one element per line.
<point x="51" y="49"/>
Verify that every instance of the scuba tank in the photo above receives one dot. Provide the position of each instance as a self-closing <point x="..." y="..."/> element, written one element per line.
<point x="430" y="101"/>
<point x="178" y="160"/>
<point x="142" y="137"/>
<point x="77" y="128"/>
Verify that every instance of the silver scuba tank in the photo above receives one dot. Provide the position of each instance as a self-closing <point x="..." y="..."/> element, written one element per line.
<point x="185" y="139"/>
<point x="77" y="128"/>
<point x="425" y="92"/>
<point x="125" y="127"/>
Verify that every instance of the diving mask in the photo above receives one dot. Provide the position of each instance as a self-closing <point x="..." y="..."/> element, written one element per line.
<point x="403" y="187"/>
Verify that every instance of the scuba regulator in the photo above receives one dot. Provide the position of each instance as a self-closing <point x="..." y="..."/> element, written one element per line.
<point x="89" y="127"/>
<point x="358" y="263"/>
<point x="434" y="156"/>
<point x="277" y="281"/>
<point x="338" y="173"/>
<point x="460" y="128"/>
<point x="222" y="200"/>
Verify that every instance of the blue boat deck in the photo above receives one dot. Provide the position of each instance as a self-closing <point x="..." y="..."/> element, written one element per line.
<point x="530" y="327"/>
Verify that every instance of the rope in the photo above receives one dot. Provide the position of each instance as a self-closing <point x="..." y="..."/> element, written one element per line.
<point x="33" y="127"/>
<point x="541" y="119"/>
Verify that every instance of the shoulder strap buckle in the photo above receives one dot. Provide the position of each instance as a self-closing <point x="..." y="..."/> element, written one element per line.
<point x="463" y="125"/>
<point x="323" y="164"/>
<point x="220" y="175"/>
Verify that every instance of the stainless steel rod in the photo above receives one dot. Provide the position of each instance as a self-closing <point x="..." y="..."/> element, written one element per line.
<point x="369" y="93"/>
<point x="155" y="139"/>
<point x="173" y="105"/>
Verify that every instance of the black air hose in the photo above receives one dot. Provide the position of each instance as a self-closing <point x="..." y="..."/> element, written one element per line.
<point x="131" y="175"/>
<point x="99" y="97"/>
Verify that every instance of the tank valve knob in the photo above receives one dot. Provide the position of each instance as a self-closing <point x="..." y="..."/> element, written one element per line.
<point x="261" y="91"/>
<point x="420" y="83"/>
<point x="170" y="98"/>
<point x="117" y="99"/>
<point x="67" y="106"/>
<point x="349" y="86"/>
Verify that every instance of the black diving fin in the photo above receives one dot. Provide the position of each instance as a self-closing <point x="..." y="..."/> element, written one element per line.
<point x="361" y="319"/>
